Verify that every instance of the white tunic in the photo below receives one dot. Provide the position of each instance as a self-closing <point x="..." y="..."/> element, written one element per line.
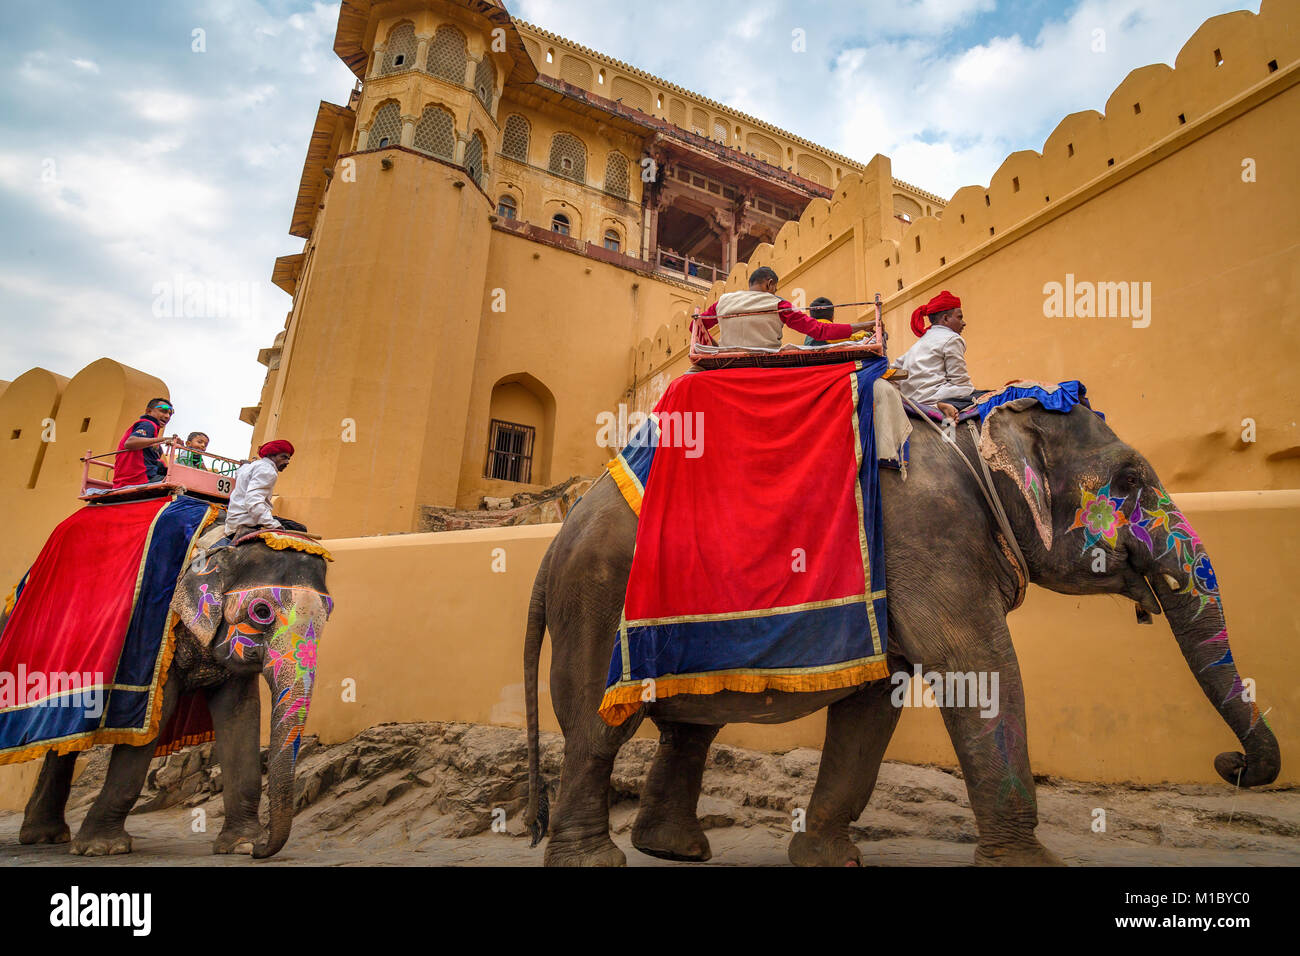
<point x="250" y="501"/>
<point x="936" y="368"/>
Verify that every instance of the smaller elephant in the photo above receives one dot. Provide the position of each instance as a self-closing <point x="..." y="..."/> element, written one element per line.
<point x="241" y="612"/>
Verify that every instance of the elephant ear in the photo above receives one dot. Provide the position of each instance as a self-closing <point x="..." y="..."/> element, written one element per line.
<point x="1012" y="444"/>
<point x="200" y="593"/>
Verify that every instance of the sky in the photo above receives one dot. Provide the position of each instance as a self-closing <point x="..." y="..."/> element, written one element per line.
<point x="150" y="151"/>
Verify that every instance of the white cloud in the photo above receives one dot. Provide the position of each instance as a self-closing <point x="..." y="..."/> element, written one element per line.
<point x="90" y="66"/>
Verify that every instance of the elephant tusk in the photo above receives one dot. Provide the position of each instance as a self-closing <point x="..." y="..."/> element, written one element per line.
<point x="1171" y="581"/>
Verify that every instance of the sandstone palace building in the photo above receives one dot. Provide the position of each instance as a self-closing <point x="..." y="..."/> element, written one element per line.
<point x="504" y="233"/>
<point x="491" y="226"/>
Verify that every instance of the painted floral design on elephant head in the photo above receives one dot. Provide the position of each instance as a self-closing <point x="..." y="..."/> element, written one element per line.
<point x="1099" y="516"/>
<point x="293" y="617"/>
<point x="1180" y="540"/>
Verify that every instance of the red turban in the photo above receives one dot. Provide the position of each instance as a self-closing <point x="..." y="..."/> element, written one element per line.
<point x="942" y="302"/>
<point x="274" y="448"/>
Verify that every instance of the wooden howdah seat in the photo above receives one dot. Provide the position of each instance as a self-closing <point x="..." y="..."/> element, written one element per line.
<point x="706" y="353"/>
<point x="214" y="485"/>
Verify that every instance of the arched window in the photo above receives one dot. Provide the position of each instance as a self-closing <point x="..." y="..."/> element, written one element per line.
<point x="485" y="81"/>
<point x="560" y="224"/>
<point x="568" y="157"/>
<point x="612" y="240"/>
<point x="506" y="206"/>
<point x="400" y="55"/>
<point x="447" y="57"/>
<point x="514" y="142"/>
<point x="435" y="133"/>
<point x="616" y="175"/>
<point x="386" y="127"/>
<point x="474" y="164"/>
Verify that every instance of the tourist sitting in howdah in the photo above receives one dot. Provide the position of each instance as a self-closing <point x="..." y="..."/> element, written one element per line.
<point x="195" y="444"/>
<point x="139" y="461"/>
<point x="757" y="318"/>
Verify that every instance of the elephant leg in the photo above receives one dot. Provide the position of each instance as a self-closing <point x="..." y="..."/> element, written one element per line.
<point x="580" y="819"/>
<point x="666" y="825"/>
<point x="236" y="710"/>
<point x="103" y="832"/>
<point x="858" y="729"/>
<point x="43" y="820"/>
<point x="993" y="751"/>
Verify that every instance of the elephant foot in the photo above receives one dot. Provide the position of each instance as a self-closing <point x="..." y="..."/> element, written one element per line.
<point x="1035" y="855"/>
<point x="234" y="842"/>
<point x="44" y="831"/>
<point x="672" y="839"/>
<point x="592" y="851"/>
<point x="807" y="849"/>
<point x="111" y="844"/>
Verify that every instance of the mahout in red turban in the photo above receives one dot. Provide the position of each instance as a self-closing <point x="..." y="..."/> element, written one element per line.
<point x="274" y="448"/>
<point x="942" y="302"/>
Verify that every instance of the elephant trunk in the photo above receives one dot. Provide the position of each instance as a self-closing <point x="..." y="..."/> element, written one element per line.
<point x="1197" y="620"/>
<point x="291" y="694"/>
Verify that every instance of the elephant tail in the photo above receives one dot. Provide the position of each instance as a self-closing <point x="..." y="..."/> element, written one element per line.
<point x="537" y="817"/>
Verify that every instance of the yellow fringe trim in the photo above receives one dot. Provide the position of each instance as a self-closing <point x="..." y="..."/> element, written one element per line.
<point x="623" y="700"/>
<point x="9" y="601"/>
<point x="282" y="542"/>
<point x="180" y="743"/>
<point x="626" y="484"/>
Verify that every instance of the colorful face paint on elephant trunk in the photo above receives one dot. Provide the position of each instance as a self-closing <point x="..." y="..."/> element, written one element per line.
<point x="290" y="670"/>
<point x="1178" y="568"/>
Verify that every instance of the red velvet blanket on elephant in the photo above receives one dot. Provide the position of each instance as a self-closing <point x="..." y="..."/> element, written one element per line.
<point x="759" y="559"/>
<point x="87" y="645"/>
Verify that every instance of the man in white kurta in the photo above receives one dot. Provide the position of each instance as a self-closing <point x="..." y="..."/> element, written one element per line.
<point x="936" y="365"/>
<point x="250" y="500"/>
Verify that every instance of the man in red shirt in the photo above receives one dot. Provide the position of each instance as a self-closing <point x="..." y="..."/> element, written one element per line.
<point x="138" y="460"/>
<point x="757" y="318"/>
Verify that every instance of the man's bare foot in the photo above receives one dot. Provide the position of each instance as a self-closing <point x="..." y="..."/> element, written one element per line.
<point x="948" y="410"/>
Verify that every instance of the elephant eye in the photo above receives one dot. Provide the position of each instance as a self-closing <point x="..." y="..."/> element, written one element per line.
<point x="260" y="611"/>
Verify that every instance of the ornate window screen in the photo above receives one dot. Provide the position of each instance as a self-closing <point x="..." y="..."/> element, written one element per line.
<point x="386" y="128"/>
<point x="719" y="131"/>
<point x="400" y="55"/>
<point x="447" y="58"/>
<point x="575" y="71"/>
<point x="474" y="164"/>
<point x="436" y="133"/>
<point x="485" y="82"/>
<point x="568" y="157"/>
<point x="616" y="175"/>
<point x="514" y="142"/>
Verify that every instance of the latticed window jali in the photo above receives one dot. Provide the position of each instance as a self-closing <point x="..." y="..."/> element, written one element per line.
<point x="720" y="131"/>
<point x="485" y="82"/>
<point x="474" y="164"/>
<point x="568" y="157"/>
<point x="447" y="57"/>
<point x="616" y="175"/>
<point x="514" y="142"/>
<point x="400" y="54"/>
<point x="435" y="133"/>
<point x="386" y="128"/>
